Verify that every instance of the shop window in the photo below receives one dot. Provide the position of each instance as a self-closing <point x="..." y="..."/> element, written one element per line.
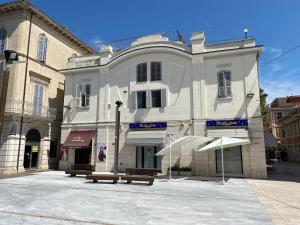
<point x="83" y="92"/>
<point x="155" y="71"/>
<point x="141" y="72"/>
<point x="224" y="84"/>
<point x="42" y="48"/>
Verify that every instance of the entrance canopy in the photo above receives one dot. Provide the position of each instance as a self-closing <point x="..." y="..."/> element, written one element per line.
<point x="145" y="137"/>
<point x="225" y="142"/>
<point x="79" y="138"/>
<point x="186" y="143"/>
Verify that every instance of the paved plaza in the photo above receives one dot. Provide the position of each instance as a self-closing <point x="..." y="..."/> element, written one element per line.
<point x="280" y="194"/>
<point x="53" y="198"/>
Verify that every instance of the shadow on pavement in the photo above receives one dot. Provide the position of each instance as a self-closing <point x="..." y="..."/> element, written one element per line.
<point x="285" y="171"/>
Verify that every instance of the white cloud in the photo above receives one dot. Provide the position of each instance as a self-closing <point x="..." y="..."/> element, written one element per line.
<point x="95" y="43"/>
<point x="275" y="51"/>
<point x="283" y="86"/>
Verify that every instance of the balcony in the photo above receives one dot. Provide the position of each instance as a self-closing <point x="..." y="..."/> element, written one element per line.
<point x="15" y="107"/>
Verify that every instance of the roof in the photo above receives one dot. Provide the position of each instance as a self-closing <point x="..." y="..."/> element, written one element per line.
<point x="27" y="6"/>
<point x="288" y="101"/>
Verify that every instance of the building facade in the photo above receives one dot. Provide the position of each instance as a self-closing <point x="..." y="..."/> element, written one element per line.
<point x="43" y="47"/>
<point x="167" y="88"/>
<point x="279" y="108"/>
<point x="289" y="131"/>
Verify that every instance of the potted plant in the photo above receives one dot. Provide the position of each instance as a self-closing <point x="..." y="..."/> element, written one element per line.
<point x="174" y="170"/>
<point x="185" y="171"/>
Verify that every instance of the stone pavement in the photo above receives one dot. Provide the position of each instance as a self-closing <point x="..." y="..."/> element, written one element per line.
<point x="53" y="198"/>
<point x="280" y="194"/>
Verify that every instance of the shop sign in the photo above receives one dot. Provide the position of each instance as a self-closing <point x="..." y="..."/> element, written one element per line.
<point x="152" y="125"/>
<point x="227" y="123"/>
<point x="34" y="148"/>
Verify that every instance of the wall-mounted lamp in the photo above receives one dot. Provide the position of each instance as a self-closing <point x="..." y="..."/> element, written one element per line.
<point x="250" y="95"/>
<point x="67" y="107"/>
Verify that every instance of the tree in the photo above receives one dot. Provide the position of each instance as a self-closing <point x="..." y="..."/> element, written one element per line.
<point x="263" y="106"/>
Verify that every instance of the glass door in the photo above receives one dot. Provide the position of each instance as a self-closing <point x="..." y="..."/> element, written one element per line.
<point x="232" y="160"/>
<point x="146" y="158"/>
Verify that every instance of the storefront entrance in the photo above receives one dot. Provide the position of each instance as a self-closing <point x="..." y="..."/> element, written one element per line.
<point x="232" y="160"/>
<point x="146" y="158"/>
<point x="32" y="146"/>
<point x="83" y="156"/>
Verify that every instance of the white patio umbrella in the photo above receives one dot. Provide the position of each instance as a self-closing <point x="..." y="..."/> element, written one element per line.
<point x="190" y="142"/>
<point x="224" y="142"/>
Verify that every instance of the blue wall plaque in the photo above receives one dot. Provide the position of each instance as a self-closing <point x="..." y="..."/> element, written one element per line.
<point x="227" y="123"/>
<point x="152" y="125"/>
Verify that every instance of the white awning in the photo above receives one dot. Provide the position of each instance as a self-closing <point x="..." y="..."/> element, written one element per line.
<point x="226" y="142"/>
<point x="145" y="137"/>
<point x="234" y="133"/>
<point x="186" y="143"/>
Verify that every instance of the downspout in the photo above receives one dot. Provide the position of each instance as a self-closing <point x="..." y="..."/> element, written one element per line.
<point x="24" y="91"/>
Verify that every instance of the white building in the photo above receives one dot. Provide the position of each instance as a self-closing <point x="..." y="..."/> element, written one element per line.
<point x="166" y="87"/>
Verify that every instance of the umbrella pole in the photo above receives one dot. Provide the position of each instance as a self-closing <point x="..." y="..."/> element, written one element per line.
<point x="170" y="161"/>
<point x="222" y="161"/>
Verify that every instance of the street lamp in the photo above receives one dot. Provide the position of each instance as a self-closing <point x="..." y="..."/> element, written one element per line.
<point x="117" y="136"/>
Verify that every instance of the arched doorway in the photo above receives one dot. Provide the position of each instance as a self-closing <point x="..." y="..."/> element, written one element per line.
<point x="32" y="147"/>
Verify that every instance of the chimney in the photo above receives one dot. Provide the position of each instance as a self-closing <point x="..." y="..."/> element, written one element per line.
<point x="105" y="53"/>
<point x="197" y="40"/>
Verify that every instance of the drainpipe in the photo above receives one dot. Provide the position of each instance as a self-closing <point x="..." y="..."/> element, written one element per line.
<point x="24" y="91"/>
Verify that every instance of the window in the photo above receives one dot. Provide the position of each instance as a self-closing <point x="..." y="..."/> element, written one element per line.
<point x="141" y="72"/>
<point x="83" y="92"/>
<point x="224" y="83"/>
<point x="2" y="40"/>
<point x="42" y="48"/>
<point x="279" y="115"/>
<point x="38" y="94"/>
<point x="141" y="99"/>
<point x="155" y="71"/>
<point x="156" y="98"/>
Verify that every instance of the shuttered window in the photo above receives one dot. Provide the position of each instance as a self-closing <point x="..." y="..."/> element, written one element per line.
<point x="83" y="92"/>
<point x="38" y="96"/>
<point x="224" y="84"/>
<point x="141" y="72"/>
<point x="42" y="48"/>
<point x="155" y="71"/>
<point x="148" y="99"/>
<point x="2" y="40"/>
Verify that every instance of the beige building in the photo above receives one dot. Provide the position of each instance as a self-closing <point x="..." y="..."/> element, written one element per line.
<point x="44" y="48"/>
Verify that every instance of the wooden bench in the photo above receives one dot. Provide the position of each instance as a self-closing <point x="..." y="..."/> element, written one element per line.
<point x="141" y="171"/>
<point x="96" y="177"/>
<point x="80" y="169"/>
<point x="130" y="178"/>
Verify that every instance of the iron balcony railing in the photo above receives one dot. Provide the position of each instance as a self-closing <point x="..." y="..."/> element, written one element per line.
<point x="13" y="106"/>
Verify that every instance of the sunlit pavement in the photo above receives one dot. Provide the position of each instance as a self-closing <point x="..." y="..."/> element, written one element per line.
<point x="280" y="194"/>
<point x="53" y="198"/>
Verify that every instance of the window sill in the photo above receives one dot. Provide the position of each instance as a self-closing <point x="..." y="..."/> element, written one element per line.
<point x="141" y="82"/>
<point x="225" y="98"/>
<point x="83" y="107"/>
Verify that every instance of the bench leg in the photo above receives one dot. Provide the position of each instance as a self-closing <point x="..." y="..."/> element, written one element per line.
<point x="115" y="181"/>
<point x="129" y="181"/>
<point x="72" y="175"/>
<point x="95" y="181"/>
<point x="150" y="182"/>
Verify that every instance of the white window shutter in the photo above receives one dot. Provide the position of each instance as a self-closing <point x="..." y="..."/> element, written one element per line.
<point x="132" y="100"/>
<point x="2" y="40"/>
<point x="148" y="99"/>
<point x="78" y="94"/>
<point x="164" y="99"/>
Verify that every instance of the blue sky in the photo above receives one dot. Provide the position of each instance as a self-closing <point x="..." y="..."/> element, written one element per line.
<point x="275" y="24"/>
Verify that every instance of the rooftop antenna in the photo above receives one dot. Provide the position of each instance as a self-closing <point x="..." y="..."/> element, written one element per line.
<point x="179" y="36"/>
<point x="246" y="33"/>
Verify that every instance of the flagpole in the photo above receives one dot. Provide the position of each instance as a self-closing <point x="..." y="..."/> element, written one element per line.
<point x="222" y="160"/>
